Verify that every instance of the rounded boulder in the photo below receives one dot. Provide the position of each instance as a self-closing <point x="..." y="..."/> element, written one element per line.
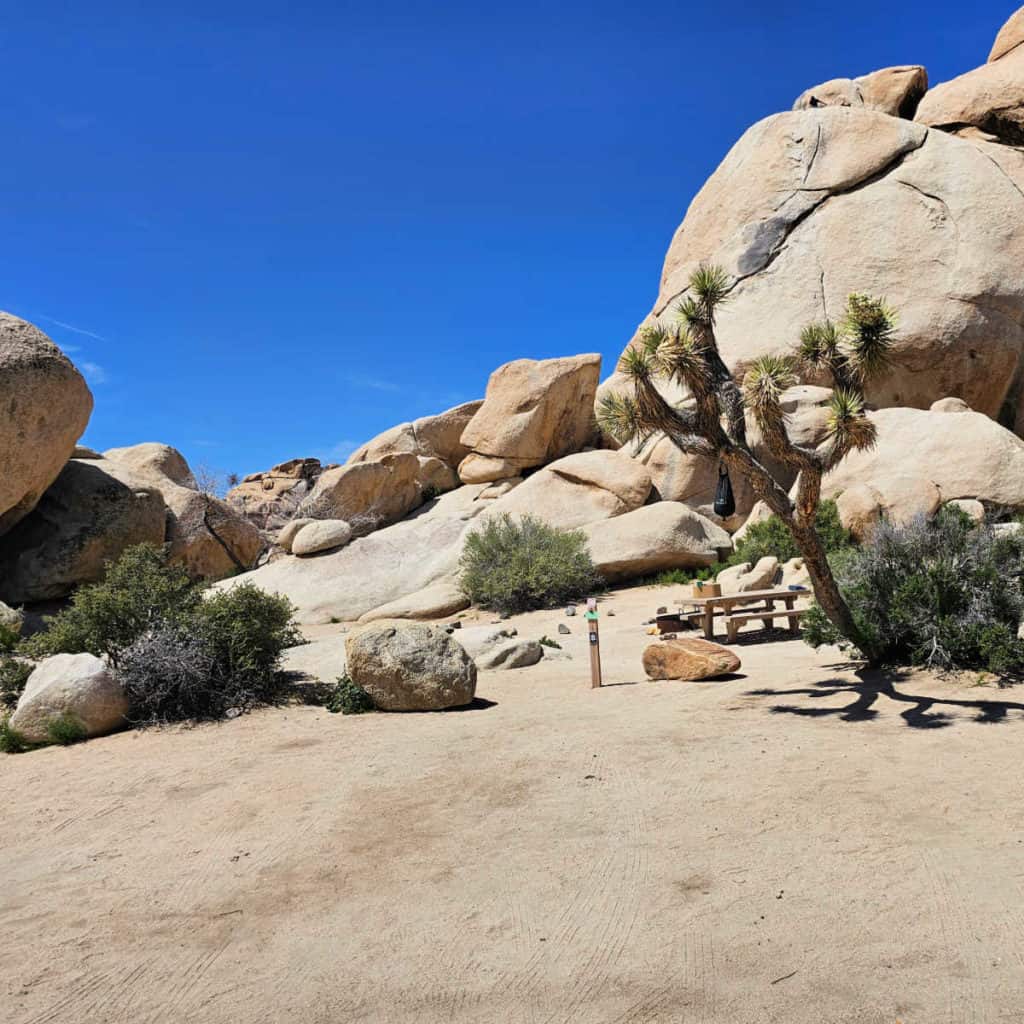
<point x="410" y="667"/>
<point x="44" y="408"/>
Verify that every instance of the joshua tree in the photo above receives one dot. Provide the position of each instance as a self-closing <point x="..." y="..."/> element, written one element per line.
<point x="714" y="424"/>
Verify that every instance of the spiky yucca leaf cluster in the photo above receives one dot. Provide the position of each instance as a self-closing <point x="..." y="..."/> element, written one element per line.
<point x="819" y="345"/>
<point x="869" y="324"/>
<point x="765" y="381"/>
<point x="855" y="350"/>
<point x="618" y="417"/>
<point x="848" y="427"/>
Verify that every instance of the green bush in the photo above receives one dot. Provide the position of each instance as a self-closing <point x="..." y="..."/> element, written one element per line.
<point x="8" y="639"/>
<point x="13" y="677"/>
<point x="941" y="593"/>
<point x="138" y="591"/>
<point x="516" y="566"/>
<point x="224" y="656"/>
<point x="12" y="741"/>
<point x="772" y="538"/>
<point x="180" y="657"/>
<point x="348" y="698"/>
<point x="65" y="730"/>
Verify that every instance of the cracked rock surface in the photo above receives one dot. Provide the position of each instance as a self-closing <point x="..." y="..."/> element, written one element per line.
<point x="811" y="205"/>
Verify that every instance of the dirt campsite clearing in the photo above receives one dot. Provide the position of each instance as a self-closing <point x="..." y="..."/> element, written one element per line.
<point x="791" y="844"/>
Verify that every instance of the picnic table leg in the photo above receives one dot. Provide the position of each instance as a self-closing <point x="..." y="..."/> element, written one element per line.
<point x="794" y="620"/>
<point x="709" y="622"/>
<point x="770" y="621"/>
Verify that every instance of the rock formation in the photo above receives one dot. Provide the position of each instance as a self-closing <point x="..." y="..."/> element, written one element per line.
<point x="895" y="91"/>
<point x="269" y="500"/>
<point x="44" y="408"/>
<point x="367" y="495"/>
<point x="988" y="102"/>
<point x="533" y="412"/>
<point x="922" y="460"/>
<point x="76" y="686"/>
<point x="813" y="204"/>
<point x="88" y="516"/>
<point x="410" y="667"/>
<point x="206" y="535"/>
<point x="665" y="535"/>
<point x="439" y="437"/>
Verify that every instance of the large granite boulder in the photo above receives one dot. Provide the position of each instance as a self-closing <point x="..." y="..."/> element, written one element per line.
<point x="895" y="91"/>
<point x="206" y="535"/>
<point x="44" y="408"/>
<point x="665" y="535"/>
<point x="409" y="666"/>
<point x="988" y="101"/>
<point x="78" y="686"/>
<point x="924" y="459"/>
<point x="534" y="411"/>
<point x="439" y="437"/>
<point x="812" y="205"/>
<point x="89" y="515"/>
<point x="367" y="495"/>
<point x="1010" y="36"/>
<point x="578" y="489"/>
<point x="321" y="535"/>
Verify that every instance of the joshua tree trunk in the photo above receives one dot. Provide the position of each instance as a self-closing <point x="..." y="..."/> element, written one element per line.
<point x="799" y="520"/>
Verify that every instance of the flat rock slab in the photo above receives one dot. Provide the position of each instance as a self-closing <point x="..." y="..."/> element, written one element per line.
<point x="689" y="659"/>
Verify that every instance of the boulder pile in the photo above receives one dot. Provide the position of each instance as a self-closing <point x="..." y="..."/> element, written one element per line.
<point x="873" y="183"/>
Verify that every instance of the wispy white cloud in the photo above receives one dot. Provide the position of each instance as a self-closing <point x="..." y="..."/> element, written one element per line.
<point x="70" y="327"/>
<point x="94" y="373"/>
<point x="361" y="380"/>
<point x="338" y="452"/>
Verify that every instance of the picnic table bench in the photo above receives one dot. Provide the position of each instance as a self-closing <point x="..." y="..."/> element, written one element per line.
<point x="710" y="607"/>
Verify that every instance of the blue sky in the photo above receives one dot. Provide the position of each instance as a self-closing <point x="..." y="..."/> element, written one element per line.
<point x="268" y="230"/>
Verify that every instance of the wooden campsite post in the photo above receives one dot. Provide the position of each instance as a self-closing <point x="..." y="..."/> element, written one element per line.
<point x="595" y="643"/>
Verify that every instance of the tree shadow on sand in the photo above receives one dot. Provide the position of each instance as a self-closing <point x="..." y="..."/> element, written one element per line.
<point x="923" y="712"/>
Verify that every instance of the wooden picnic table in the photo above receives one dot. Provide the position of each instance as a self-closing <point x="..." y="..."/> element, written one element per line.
<point x="709" y="606"/>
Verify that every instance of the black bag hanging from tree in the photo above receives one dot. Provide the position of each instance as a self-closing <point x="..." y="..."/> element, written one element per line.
<point x="725" y="503"/>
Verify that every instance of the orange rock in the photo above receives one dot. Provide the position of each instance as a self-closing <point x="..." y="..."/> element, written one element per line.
<point x="688" y="659"/>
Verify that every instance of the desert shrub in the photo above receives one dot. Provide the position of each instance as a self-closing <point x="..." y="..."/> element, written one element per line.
<point x="138" y="591"/>
<point x="772" y="537"/>
<point x="348" y="698"/>
<point x="941" y="593"/>
<point x="546" y="641"/>
<point x="518" y="565"/>
<point x="65" y="730"/>
<point x="247" y="630"/>
<point x="13" y="677"/>
<point x="225" y="655"/>
<point x="8" y="639"/>
<point x="12" y="741"/>
<point x="167" y="675"/>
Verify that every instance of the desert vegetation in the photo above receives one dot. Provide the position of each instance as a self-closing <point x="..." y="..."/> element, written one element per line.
<point x="944" y="593"/>
<point x="179" y="654"/>
<point x="514" y="565"/>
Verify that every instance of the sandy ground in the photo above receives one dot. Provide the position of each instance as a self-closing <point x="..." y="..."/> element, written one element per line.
<point x="787" y="845"/>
